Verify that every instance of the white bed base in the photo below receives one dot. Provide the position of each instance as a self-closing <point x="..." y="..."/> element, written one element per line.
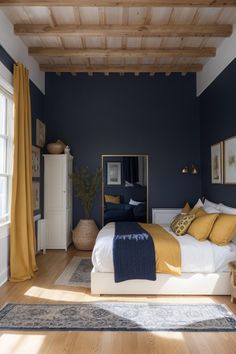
<point x="186" y="284"/>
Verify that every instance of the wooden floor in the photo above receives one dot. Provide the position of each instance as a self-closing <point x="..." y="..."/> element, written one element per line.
<point x="41" y="290"/>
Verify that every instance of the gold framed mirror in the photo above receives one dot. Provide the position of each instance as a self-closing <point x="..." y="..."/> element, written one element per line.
<point x="124" y="188"/>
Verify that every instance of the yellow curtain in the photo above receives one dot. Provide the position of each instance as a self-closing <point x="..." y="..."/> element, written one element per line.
<point x="22" y="235"/>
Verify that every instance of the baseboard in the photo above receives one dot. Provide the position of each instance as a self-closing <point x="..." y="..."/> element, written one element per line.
<point x="4" y="275"/>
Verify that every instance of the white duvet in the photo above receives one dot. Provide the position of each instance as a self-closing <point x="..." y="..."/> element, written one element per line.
<point x="196" y="256"/>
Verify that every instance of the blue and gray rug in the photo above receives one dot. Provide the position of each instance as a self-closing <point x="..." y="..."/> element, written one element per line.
<point x="118" y="316"/>
<point x="77" y="273"/>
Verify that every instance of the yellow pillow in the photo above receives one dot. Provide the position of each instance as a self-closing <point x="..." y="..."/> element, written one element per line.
<point x="186" y="209"/>
<point x="198" y="212"/>
<point x="224" y="229"/>
<point x="202" y="226"/>
<point x="115" y="199"/>
<point x="181" y="223"/>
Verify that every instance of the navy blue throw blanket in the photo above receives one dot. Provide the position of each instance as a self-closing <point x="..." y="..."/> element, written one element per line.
<point x="133" y="252"/>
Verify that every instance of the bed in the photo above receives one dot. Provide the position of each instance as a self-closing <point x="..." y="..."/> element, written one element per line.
<point x="204" y="269"/>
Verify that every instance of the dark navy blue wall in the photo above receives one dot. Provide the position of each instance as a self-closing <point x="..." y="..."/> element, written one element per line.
<point x="37" y="106"/>
<point x="218" y="122"/>
<point x="156" y="115"/>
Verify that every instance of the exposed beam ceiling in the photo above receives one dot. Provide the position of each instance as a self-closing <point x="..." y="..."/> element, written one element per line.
<point x="85" y="36"/>
<point x="121" y="3"/>
<point x="125" y="31"/>
<point x="123" y="53"/>
<point x="162" y="68"/>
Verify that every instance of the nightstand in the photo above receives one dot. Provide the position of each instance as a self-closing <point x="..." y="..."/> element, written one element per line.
<point x="232" y="266"/>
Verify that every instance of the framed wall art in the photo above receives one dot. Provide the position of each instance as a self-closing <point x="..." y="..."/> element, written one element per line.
<point x="36" y="195"/>
<point x="35" y="161"/>
<point x="217" y="163"/>
<point x="230" y="160"/>
<point x="113" y="173"/>
<point x="40" y="133"/>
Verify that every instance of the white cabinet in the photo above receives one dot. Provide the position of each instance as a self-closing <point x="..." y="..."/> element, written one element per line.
<point x="58" y="200"/>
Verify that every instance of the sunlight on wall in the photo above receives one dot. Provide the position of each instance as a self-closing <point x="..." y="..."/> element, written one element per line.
<point x="21" y="343"/>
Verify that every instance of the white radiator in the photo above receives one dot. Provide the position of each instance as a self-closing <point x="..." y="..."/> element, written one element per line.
<point x="41" y="235"/>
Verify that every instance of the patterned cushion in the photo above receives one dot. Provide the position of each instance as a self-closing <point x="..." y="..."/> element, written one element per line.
<point x="181" y="223"/>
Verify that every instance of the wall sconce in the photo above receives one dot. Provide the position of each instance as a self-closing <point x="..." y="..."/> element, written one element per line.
<point x="185" y="170"/>
<point x="192" y="169"/>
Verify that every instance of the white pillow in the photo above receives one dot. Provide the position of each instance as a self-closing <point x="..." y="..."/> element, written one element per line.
<point x="134" y="202"/>
<point x="208" y="204"/>
<point x="211" y="210"/>
<point x="199" y="204"/>
<point x="227" y="210"/>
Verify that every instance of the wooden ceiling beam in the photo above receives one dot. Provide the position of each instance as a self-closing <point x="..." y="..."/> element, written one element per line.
<point x="169" y="30"/>
<point x="189" y="52"/>
<point x="121" y="3"/>
<point x="162" y="68"/>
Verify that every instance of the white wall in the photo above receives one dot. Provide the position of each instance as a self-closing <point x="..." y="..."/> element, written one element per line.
<point x="16" y="48"/>
<point x="225" y="54"/>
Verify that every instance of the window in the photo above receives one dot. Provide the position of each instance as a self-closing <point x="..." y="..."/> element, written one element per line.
<point x="6" y="153"/>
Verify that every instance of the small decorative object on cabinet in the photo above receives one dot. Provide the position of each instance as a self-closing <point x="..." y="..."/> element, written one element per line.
<point x="233" y="281"/>
<point x="58" y="200"/>
<point x="56" y="148"/>
<point x="67" y="150"/>
<point x="86" y="187"/>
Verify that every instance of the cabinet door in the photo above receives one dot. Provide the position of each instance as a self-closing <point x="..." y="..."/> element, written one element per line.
<point x="56" y="230"/>
<point x="69" y="226"/>
<point x="55" y="184"/>
<point x="69" y="185"/>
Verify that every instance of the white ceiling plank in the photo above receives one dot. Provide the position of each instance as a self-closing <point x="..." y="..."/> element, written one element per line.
<point x="137" y="15"/>
<point x="63" y="15"/>
<point x="160" y="16"/>
<point x="89" y="15"/>
<point x="114" y="42"/>
<point x="113" y="15"/>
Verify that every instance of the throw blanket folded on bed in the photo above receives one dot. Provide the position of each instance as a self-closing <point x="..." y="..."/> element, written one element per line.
<point x="133" y="252"/>
<point x="167" y="249"/>
<point x="142" y="250"/>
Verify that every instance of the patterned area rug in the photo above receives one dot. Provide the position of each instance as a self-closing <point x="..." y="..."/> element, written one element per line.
<point x="77" y="273"/>
<point x="118" y="316"/>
